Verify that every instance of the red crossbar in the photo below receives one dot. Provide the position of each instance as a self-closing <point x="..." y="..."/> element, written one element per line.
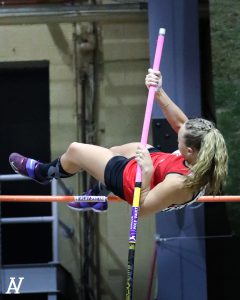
<point x="112" y="198"/>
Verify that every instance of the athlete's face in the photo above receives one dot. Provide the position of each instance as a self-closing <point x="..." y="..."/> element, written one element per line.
<point x="181" y="141"/>
<point x="188" y="153"/>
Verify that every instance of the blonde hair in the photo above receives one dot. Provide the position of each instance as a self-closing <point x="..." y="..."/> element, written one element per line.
<point x="211" y="166"/>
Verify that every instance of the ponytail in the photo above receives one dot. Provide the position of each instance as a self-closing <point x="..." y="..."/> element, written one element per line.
<point x="211" y="166"/>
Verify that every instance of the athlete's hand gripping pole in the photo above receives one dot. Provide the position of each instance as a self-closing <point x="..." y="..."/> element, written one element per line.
<point x="138" y="180"/>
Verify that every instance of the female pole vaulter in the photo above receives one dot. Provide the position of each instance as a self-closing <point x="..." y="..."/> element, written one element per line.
<point x="169" y="180"/>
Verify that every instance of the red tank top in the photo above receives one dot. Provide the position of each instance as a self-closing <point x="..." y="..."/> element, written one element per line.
<point x="163" y="164"/>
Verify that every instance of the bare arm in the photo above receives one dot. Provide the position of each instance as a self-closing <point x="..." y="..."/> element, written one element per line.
<point x="171" y="111"/>
<point x="170" y="191"/>
<point x="175" y="116"/>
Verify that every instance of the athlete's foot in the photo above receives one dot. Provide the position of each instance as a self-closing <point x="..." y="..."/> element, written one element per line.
<point x="81" y="206"/>
<point x="26" y="167"/>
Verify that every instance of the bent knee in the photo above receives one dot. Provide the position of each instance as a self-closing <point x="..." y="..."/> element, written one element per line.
<point x="73" y="148"/>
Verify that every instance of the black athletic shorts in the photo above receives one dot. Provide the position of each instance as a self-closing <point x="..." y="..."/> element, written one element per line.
<point x="113" y="174"/>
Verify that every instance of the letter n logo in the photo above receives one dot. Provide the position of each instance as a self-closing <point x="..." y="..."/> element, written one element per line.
<point x="13" y="288"/>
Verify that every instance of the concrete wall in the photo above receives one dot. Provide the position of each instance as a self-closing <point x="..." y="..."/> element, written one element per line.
<point x="55" y="44"/>
<point x="122" y="99"/>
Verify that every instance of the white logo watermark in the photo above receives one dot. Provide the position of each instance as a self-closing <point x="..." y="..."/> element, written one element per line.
<point x="14" y="288"/>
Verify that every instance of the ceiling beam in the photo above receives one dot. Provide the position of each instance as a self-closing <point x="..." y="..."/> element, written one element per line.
<point x="45" y="14"/>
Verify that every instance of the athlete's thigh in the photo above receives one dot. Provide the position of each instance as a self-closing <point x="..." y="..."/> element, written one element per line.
<point x="90" y="158"/>
<point x="127" y="150"/>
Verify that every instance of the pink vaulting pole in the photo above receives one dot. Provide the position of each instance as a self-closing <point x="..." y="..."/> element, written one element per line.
<point x="151" y="95"/>
<point x="138" y="177"/>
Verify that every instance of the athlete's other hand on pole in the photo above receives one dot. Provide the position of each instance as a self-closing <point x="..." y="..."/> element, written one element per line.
<point x="143" y="159"/>
<point x="153" y="78"/>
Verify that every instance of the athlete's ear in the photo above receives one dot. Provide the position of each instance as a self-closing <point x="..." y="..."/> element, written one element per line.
<point x="190" y="150"/>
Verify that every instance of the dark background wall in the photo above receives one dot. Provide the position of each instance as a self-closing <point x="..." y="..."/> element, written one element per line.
<point x="223" y="254"/>
<point x="225" y="39"/>
<point x="24" y="128"/>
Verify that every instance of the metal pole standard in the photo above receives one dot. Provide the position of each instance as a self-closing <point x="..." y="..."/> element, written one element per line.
<point x="13" y="177"/>
<point x="138" y="179"/>
<point x="54" y="207"/>
<point x="25" y="220"/>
